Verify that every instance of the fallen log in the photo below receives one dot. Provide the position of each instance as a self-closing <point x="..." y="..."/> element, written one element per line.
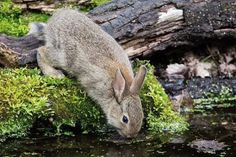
<point x="145" y="27"/>
<point x="50" y="6"/>
<point x="18" y="51"/>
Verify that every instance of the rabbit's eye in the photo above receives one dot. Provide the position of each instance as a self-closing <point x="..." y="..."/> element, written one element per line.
<point x="125" y="119"/>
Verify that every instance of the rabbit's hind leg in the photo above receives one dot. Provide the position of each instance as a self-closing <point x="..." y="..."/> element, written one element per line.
<point x="45" y="66"/>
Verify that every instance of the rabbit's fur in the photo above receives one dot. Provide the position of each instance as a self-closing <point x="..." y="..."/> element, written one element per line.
<point x="78" y="46"/>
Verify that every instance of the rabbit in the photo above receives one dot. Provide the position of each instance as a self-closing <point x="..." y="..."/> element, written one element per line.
<point x="76" y="45"/>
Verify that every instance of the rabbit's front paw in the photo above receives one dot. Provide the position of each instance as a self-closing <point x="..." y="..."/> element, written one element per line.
<point x="57" y="74"/>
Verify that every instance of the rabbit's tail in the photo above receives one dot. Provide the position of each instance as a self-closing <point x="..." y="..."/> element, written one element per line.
<point x="37" y="30"/>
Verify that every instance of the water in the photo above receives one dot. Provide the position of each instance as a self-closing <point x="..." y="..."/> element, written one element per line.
<point x="214" y="126"/>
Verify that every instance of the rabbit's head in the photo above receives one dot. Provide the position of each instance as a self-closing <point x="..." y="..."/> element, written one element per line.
<point x="126" y="115"/>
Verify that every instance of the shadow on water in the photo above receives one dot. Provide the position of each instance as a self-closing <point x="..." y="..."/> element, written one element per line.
<point x="220" y="127"/>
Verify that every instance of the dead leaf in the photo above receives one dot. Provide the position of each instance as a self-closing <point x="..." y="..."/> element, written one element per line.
<point x="196" y="67"/>
<point x="227" y="69"/>
<point x="207" y="146"/>
<point x="203" y="69"/>
<point x="176" y="71"/>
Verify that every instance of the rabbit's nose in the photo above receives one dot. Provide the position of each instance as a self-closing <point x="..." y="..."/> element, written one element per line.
<point x="128" y="136"/>
<point x="131" y="135"/>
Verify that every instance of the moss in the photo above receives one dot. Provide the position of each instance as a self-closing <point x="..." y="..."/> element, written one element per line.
<point x="99" y="2"/>
<point x="26" y="96"/>
<point x="226" y="98"/>
<point x="14" y="22"/>
<point x="160" y="116"/>
<point x="92" y="4"/>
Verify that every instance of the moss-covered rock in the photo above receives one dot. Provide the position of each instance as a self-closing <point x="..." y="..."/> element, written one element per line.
<point x="26" y="96"/>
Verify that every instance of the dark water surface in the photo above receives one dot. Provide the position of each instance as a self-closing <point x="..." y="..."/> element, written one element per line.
<point x="214" y="126"/>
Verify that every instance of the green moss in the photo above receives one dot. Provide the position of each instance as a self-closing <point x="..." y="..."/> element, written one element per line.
<point x="99" y="2"/>
<point x="26" y="96"/>
<point x="14" y="22"/>
<point x="160" y="116"/>
<point x="226" y="98"/>
<point x="92" y="4"/>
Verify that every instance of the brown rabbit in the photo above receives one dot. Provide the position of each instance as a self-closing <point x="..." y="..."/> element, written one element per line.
<point x="78" y="46"/>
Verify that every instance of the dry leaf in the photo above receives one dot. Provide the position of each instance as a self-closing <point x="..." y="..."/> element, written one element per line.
<point x="227" y="69"/>
<point x="207" y="146"/>
<point x="203" y="69"/>
<point x="174" y="71"/>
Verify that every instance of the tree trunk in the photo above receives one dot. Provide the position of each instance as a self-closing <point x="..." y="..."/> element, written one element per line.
<point x="145" y="27"/>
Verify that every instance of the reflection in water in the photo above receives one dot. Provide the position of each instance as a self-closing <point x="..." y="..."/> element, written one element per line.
<point x="209" y="127"/>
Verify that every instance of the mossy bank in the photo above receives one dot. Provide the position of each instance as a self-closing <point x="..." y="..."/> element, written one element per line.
<point x="26" y="96"/>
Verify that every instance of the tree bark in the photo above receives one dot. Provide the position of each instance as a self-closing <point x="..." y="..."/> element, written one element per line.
<point x="18" y="51"/>
<point x="145" y="27"/>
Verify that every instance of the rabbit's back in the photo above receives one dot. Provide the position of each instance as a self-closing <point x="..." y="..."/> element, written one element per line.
<point x="77" y="38"/>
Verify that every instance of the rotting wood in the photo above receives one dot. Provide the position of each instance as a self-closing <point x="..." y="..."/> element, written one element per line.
<point x="18" y="51"/>
<point x="160" y="24"/>
<point x="146" y="27"/>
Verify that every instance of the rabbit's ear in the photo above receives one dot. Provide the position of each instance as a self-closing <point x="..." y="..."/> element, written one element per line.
<point x="119" y="85"/>
<point x="138" y="80"/>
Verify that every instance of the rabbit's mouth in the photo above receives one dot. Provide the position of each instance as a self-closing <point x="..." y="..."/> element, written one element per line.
<point x="126" y="135"/>
<point x="122" y="134"/>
